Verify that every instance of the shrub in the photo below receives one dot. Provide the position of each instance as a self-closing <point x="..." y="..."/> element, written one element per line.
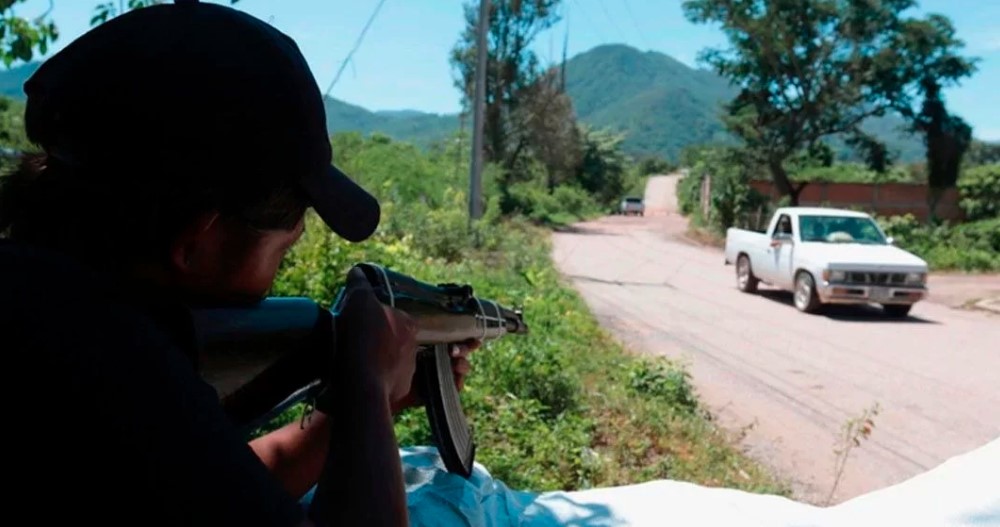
<point x="973" y="246"/>
<point x="979" y="188"/>
<point x="565" y="204"/>
<point x="665" y="382"/>
<point x="731" y="198"/>
<point x="689" y="192"/>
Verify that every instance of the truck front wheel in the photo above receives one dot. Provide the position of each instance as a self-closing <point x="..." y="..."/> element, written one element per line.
<point x="806" y="299"/>
<point x="745" y="280"/>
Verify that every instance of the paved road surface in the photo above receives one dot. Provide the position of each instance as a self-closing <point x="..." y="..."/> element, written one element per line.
<point x="795" y="378"/>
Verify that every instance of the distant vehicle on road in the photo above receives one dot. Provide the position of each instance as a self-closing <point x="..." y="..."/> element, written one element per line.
<point x="632" y="205"/>
<point x="828" y="256"/>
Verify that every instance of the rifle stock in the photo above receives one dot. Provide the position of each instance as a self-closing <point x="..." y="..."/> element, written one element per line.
<point x="265" y="358"/>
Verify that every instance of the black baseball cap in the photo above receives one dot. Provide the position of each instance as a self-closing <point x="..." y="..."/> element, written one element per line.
<point x="202" y="91"/>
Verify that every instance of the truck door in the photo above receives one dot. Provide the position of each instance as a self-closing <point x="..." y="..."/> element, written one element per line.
<point x="779" y="253"/>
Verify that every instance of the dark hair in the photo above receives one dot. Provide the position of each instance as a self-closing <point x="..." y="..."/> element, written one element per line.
<point x="119" y="220"/>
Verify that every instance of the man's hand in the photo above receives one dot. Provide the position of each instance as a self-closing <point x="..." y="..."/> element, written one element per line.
<point x="397" y="353"/>
<point x="376" y="344"/>
<point x="460" y="367"/>
<point x="361" y="481"/>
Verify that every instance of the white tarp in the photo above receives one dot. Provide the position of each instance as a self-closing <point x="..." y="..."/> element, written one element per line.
<point x="963" y="491"/>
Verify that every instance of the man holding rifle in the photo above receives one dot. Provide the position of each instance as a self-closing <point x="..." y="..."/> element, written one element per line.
<point x="182" y="145"/>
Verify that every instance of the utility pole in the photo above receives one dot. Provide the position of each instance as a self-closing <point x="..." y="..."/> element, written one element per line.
<point x="479" y="108"/>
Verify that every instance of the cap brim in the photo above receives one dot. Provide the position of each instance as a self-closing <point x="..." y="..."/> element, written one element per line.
<point x="345" y="207"/>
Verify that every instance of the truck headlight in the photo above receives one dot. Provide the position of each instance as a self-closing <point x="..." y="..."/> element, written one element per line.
<point x="916" y="278"/>
<point x="834" y="276"/>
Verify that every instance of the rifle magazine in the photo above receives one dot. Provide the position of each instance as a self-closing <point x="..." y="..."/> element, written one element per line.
<point x="449" y="426"/>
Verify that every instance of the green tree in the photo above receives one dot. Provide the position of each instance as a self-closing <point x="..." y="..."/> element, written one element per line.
<point x="947" y="138"/>
<point x="925" y="55"/>
<point x="811" y="69"/>
<point x="654" y="165"/>
<point x="12" y="135"/>
<point x="982" y="153"/>
<point x="546" y="127"/>
<point x="603" y="164"/>
<point x="512" y="69"/>
<point x="21" y="38"/>
<point x="980" y="192"/>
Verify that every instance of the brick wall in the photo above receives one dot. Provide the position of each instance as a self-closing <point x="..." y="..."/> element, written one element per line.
<point x="884" y="199"/>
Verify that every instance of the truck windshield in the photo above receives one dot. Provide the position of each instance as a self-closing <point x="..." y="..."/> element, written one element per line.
<point x="840" y="229"/>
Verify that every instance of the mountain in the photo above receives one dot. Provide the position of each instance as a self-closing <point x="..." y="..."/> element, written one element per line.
<point x="420" y="128"/>
<point x="12" y="80"/>
<point x="661" y="105"/>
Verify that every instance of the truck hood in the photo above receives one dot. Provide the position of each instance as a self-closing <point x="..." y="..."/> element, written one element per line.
<point x="860" y="256"/>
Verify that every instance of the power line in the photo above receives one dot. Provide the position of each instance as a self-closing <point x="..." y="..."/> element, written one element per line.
<point x="590" y="21"/>
<point x="618" y="29"/>
<point x="357" y="44"/>
<point x="635" y="23"/>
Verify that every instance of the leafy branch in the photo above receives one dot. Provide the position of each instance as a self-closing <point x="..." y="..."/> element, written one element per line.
<point x="21" y="38"/>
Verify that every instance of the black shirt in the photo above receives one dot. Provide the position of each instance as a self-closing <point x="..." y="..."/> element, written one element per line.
<point x="109" y="420"/>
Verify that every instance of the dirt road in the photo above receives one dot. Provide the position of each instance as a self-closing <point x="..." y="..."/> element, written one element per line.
<point x="795" y="378"/>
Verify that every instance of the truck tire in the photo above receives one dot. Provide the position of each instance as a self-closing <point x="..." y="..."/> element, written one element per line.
<point x="805" y="297"/>
<point x="745" y="280"/>
<point x="897" y="310"/>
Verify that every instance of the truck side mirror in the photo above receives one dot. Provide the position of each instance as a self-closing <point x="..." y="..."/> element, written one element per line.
<point x="890" y="240"/>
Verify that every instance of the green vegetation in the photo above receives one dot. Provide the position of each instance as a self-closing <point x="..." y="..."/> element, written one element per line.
<point x="973" y="246"/>
<point x="731" y="199"/>
<point x="661" y="104"/>
<point x="421" y="129"/>
<point x="22" y="38"/>
<point x="980" y="190"/>
<point x="810" y="71"/>
<point x="970" y="246"/>
<point x="562" y="408"/>
<point x="12" y="80"/>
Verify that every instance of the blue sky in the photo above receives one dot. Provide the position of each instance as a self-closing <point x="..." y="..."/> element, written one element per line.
<point x="403" y="61"/>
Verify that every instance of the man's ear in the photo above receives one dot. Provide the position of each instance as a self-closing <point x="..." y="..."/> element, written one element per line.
<point x="194" y="242"/>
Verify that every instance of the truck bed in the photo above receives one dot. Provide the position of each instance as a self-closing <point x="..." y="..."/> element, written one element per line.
<point x="744" y="240"/>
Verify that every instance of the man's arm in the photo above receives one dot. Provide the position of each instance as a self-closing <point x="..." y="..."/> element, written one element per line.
<point x="296" y="452"/>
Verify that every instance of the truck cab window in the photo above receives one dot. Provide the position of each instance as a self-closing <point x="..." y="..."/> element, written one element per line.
<point x="784" y="226"/>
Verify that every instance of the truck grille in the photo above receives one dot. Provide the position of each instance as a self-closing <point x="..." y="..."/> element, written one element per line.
<point x="876" y="278"/>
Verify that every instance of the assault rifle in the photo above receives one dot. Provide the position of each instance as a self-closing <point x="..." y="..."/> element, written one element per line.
<point x="265" y="358"/>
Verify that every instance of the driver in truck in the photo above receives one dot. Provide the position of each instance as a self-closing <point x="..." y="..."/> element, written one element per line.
<point x="784" y="226"/>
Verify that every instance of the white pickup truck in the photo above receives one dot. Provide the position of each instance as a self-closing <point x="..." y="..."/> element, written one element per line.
<point x="828" y="256"/>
